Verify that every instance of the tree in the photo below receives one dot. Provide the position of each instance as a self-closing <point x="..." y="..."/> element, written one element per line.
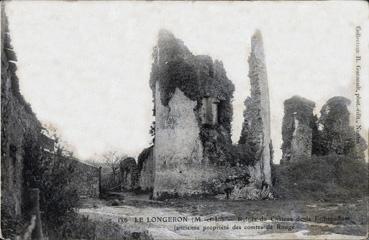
<point x="60" y="146"/>
<point x="111" y="159"/>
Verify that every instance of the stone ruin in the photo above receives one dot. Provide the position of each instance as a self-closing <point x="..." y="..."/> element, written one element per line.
<point x="304" y="134"/>
<point x="146" y="169"/>
<point x="335" y="130"/>
<point x="297" y="129"/>
<point x="192" y="118"/>
<point x="255" y="133"/>
<point x="129" y="174"/>
<point x="193" y="152"/>
<point x="19" y="126"/>
<point x="23" y="142"/>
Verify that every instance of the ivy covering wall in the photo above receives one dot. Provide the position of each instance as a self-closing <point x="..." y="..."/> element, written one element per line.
<point x="174" y="66"/>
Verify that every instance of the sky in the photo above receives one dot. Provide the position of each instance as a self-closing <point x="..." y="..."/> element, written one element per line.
<point x="84" y="66"/>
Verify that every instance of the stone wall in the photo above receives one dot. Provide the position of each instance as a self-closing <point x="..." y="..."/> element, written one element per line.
<point x="297" y="129"/>
<point x="193" y="152"/>
<point x="129" y="174"/>
<point x="256" y="127"/>
<point x="336" y="135"/>
<point x="85" y="177"/>
<point x="189" y="137"/>
<point x="23" y="144"/>
<point x="17" y="122"/>
<point x="146" y="169"/>
<point x="178" y="151"/>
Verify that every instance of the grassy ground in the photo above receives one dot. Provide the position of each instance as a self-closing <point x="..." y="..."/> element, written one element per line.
<point x="314" y="218"/>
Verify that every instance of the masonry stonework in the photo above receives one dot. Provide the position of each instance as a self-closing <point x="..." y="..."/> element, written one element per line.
<point x="178" y="150"/>
<point x="146" y="169"/>
<point x="256" y="127"/>
<point x="86" y="178"/>
<point x="190" y="137"/>
<point x="193" y="152"/>
<point x="129" y="174"/>
<point x="17" y="122"/>
<point x="23" y="144"/>
<point x="297" y="129"/>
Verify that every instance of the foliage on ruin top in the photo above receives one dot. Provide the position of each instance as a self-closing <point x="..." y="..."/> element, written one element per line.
<point x="331" y="133"/>
<point x="9" y="67"/>
<point x="144" y="156"/>
<point x="128" y="163"/>
<point x="335" y="114"/>
<point x="175" y="66"/>
<point x="300" y="107"/>
<point x="336" y="134"/>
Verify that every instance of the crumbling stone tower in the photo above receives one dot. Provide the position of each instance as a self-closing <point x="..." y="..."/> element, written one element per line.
<point x="297" y="129"/>
<point x="256" y="127"/>
<point x="336" y="135"/>
<point x="193" y="111"/>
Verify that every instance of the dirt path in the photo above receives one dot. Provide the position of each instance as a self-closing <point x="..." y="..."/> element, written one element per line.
<point x="174" y="223"/>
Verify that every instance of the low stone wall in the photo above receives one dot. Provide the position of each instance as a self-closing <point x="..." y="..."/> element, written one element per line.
<point x="86" y="178"/>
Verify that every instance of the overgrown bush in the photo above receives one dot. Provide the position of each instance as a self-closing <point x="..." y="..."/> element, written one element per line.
<point x="322" y="178"/>
<point x="51" y="175"/>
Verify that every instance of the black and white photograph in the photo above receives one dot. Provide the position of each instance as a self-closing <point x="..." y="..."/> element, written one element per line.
<point x="161" y="120"/>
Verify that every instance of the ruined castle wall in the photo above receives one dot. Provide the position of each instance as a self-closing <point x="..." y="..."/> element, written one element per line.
<point x="336" y="133"/>
<point x="178" y="151"/>
<point x="260" y="76"/>
<point x="20" y="132"/>
<point x="86" y="178"/>
<point x="147" y="175"/>
<point x="129" y="174"/>
<point x="301" y="145"/>
<point x="193" y="114"/>
<point x="297" y="129"/>
<point x="256" y="128"/>
<point x="146" y="168"/>
<point x="17" y="120"/>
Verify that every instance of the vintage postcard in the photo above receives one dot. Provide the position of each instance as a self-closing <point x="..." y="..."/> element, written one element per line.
<point x="156" y="120"/>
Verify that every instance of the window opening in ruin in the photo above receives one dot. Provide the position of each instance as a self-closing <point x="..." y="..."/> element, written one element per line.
<point x="209" y="111"/>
